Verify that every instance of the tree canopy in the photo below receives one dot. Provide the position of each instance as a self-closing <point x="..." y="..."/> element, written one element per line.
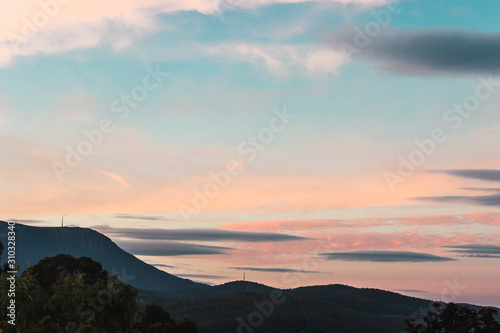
<point x="455" y="318"/>
<point x="75" y="295"/>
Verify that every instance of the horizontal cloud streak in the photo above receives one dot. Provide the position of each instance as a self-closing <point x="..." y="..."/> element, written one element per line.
<point x="167" y="249"/>
<point x="141" y="217"/>
<point x="27" y="221"/>
<point x="413" y="291"/>
<point x="482" y="200"/>
<point x="431" y="51"/>
<point x="272" y="270"/>
<point x="484" y="189"/>
<point x="163" y="265"/>
<point x="484" y="218"/>
<point x="384" y="256"/>
<point x="198" y="234"/>
<point x="476" y="250"/>
<point x="201" y="276"/>
<point x="480" y="256"/>
<point x="481" y="174"/>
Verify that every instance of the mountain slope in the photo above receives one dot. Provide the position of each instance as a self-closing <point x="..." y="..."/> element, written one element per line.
<point x="243" y="306"/>
<point x="240" y="306"/>
<point x="222" y="290"/>
<point x="331" y="308"/>
<point x="36" y="243"/>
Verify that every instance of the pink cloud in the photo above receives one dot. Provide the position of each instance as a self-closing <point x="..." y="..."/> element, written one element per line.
<point x="483" y="218"/>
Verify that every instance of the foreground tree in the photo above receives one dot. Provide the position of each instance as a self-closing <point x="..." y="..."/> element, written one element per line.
<point x="65" y="294"/>
<point x="70" y="295"/>
<point x="455" y="318"/>
<point x="156" y="320"/>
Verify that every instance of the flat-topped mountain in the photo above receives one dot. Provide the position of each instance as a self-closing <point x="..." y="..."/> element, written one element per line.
<point x="36" y="243"/>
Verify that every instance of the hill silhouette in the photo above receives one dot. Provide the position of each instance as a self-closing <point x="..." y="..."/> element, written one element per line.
<point x="331" y="308"/>
<point x="241" y="306"/>
<point x="36" y="243"/>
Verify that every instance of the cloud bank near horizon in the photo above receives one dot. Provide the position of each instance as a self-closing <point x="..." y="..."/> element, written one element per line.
<point x="476" y="250"/>
<point x="384" y="256"/>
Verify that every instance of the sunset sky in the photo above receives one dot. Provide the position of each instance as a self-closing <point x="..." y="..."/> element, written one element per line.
<point x="300" y="142"/>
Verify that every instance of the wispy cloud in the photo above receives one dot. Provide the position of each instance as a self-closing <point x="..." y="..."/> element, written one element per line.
<point x="87" y="25"/>
<point x="114" y="176"/>
<point x="279" y="59"/>
<point x="384" y="256"/>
